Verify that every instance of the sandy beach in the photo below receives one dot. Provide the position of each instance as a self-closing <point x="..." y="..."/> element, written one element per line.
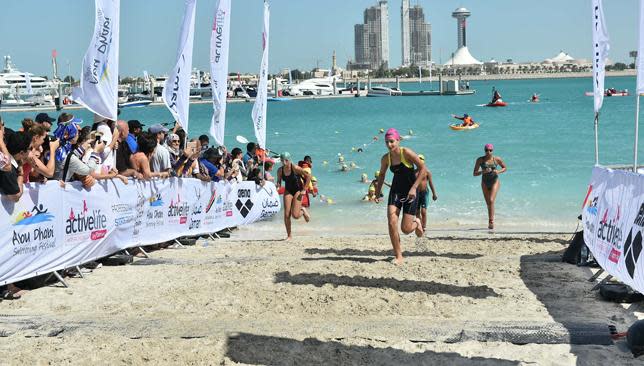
<point x="460" y="298"/>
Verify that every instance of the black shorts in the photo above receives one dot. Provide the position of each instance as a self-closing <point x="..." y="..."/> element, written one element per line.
<point x="422" y="197"/>
<point x="400" y="201"/>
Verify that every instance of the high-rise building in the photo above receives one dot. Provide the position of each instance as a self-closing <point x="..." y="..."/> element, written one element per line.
<point x="420" y="52"/>
<point x="372" y="37"/>
<point x="416" y="36"/>
<point x="405" y="42"/>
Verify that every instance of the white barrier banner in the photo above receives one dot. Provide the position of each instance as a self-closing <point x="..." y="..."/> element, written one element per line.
<point x="52" y="228"/>
<point x="613" y="219"/>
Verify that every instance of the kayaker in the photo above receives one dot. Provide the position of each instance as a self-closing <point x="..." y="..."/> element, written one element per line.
<point x="467" y="120"/>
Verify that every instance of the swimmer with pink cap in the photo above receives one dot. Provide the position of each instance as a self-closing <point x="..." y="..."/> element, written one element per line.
<point x="404" y="164"/>
<point x="487" y="167"/>
<point x="392" y="133"/>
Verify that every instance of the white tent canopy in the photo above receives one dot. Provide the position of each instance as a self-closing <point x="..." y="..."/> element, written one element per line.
<point x="462" y="56"/>
<point x="561" y="58"/>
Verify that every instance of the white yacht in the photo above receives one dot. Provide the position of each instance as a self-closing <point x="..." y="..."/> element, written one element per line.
<point x="8" y="100"/>
<point x="315" y="86"/>
<point x="14" y="81"/>
<point x="383" y="91"/>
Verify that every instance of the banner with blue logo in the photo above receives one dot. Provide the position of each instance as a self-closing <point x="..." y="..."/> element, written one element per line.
<point x="613" y="219"/>
<point x="53" y="228"/>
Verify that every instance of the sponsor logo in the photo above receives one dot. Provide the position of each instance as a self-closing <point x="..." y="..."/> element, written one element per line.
<point x="632" y="251"/>
<point x="197" y="208"/>
<point x="591" y="206"/>
<point x="37" y="215"/>
<point x="94" y="222"/>
<point x="633" y="244"/>
<point x="175" y="88"/>
<point x="120" y="208"/>
<point x="97" y="71"/>
<point x="211" y="201"/>
<point x="609" y="230"/>
<point x="178" y="209"/>
<point x="194" y="224"/>
<point x="155" y="200"/>
<point x="270" y="203"/>
<point x="244" y="203"/>
<point x="120" y="221"/>
<point x="218" y="28"/>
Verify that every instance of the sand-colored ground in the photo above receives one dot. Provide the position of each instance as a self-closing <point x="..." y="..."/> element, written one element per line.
<point x="458" y="299"/>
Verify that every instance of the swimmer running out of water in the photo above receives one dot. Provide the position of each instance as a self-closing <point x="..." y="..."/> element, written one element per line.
<point x="423" y="194"/>
<point x="294" y="189"/>
<point x="402" y="195"/>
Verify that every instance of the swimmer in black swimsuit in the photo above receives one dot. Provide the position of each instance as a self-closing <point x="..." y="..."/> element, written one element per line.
<point x="486" y="166"/>
<point x="294" y="190"/>
<point x="402" y="195"/>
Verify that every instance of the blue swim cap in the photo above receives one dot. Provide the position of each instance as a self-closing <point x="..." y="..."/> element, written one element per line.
<point x="466" y="115"/>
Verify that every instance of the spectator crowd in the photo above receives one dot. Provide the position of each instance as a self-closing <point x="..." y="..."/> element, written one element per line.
<point x="62" y="149"/>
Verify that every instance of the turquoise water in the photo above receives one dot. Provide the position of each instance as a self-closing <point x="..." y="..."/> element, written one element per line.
<point x="548" y="147"/>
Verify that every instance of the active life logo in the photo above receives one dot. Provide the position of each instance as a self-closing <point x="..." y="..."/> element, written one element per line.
<point x="79" y="223"/>
<point x="244" y="203"/>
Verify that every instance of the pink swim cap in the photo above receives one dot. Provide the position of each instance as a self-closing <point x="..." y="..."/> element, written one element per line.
<point x="489" y="147"/>
<point x="392" y="133"/>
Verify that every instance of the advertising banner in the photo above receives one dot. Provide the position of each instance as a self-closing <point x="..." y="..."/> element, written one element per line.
<point x="613" y="219"/>
<point x="52" y="228"/>
<point x="98" y="89"/>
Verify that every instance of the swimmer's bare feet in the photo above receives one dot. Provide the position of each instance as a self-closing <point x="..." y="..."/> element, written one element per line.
<point x="420" y="231"/>
<point x="306" y="215"/>
<point x="397" y="261"/>
<point x="289" y="238"/>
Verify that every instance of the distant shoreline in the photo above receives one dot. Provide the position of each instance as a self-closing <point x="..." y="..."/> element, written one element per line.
<point x="562" y="75"/>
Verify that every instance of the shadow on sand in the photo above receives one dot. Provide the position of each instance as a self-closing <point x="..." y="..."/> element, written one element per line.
<point x="266" y="350"/>
<point x="387" y="253"/>
<point x="574" y="302"/>
<point x="319" y="280"/>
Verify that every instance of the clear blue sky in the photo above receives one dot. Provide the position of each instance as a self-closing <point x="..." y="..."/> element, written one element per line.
<point x="305" y="32"/>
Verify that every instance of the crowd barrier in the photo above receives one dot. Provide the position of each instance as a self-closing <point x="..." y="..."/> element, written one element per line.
<point x="613" y="219"/>
<point x="52" y="228"/>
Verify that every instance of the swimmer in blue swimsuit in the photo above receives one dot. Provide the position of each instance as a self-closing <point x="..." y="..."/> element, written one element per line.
<point x="487" y="167"/>
<point x="402" y="195"/>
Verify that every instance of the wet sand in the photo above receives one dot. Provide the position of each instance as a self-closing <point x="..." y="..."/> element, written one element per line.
<point x="459" y="299"/>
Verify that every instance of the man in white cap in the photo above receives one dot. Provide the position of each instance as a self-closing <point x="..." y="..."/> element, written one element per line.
<point x="160" y="160"/>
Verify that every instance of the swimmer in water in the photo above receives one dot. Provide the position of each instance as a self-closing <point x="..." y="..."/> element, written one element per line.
<point x="371" y="193"/>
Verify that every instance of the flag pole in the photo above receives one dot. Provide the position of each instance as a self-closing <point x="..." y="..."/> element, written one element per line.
<point x="637" y="123"/>
<point x="596" y="138"/>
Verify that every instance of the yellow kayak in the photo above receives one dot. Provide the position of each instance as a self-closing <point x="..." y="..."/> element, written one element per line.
<point x="461" y="128"/>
